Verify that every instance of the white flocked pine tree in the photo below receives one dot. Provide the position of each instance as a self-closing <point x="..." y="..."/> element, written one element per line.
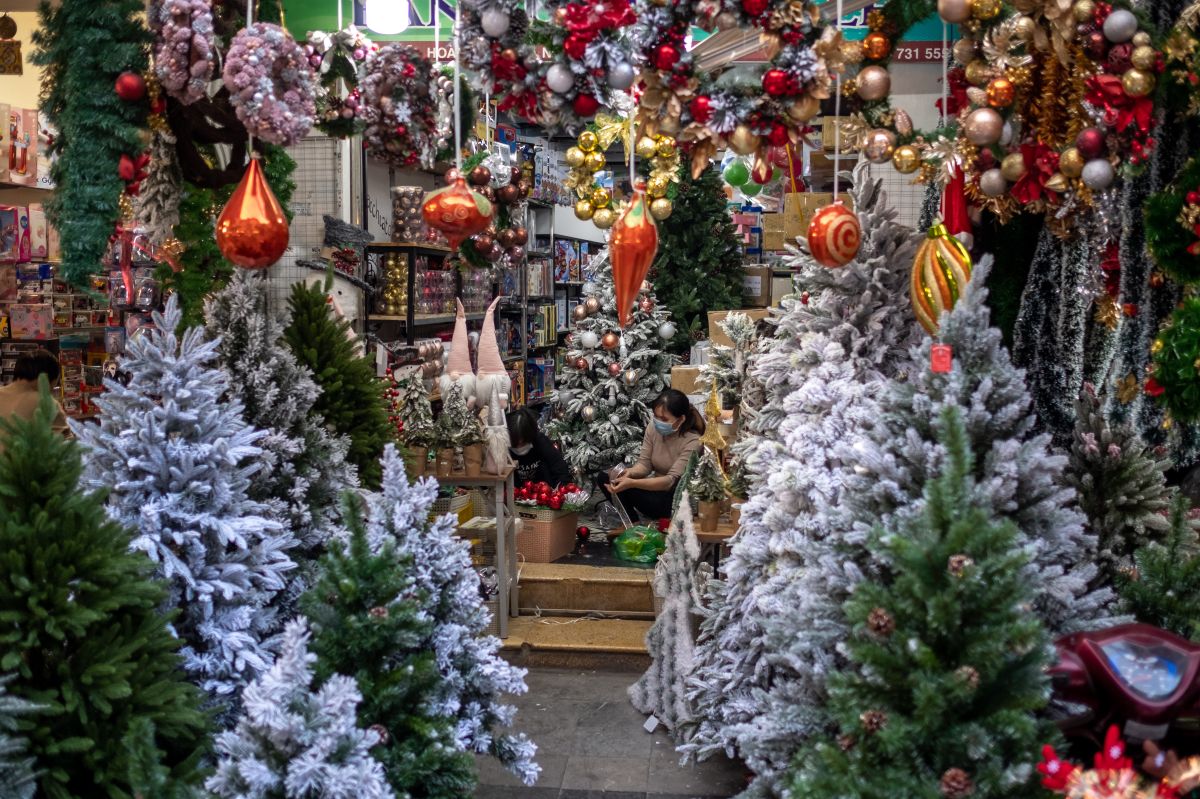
<point x="176" y="460"/>
<point x="304" y="468"/>
<point x="604" y="408"/>
<point x="473" y="675"/>
<point x="16" y="768"/>
<point x="846" y="332"/>
<point x="662" y="690"/>
<point x="296" y="742"/>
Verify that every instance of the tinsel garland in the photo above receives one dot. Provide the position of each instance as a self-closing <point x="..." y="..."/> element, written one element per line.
<point x="83" y="46"/>
<point x="1172" y="222"/>
<point x="1175" y="382"/>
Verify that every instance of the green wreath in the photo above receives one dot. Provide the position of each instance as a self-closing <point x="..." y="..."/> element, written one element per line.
<point x="1176" y="353"/>
<point x="1171" y="225"/>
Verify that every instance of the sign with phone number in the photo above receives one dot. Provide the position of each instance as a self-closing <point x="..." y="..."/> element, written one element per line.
<point x="920" y="53"/>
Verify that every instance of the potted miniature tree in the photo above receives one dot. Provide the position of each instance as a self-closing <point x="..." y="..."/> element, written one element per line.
<point x="462" y="428"/>
<point x="708" y="487"/>
<point x="739" y="489"/>
<point x="448" y="430"/>
<point x="418" y="432"/>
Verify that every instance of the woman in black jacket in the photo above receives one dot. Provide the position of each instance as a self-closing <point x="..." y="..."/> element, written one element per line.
<point x="537" y="459"/>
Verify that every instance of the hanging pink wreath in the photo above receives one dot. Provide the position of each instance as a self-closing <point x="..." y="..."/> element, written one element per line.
<point x="270" y="84"/>
<point x="184" y="56"/>
<point x="399" y="106"/>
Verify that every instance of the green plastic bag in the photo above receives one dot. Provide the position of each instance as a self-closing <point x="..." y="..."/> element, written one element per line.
<point x="640" y="544"/>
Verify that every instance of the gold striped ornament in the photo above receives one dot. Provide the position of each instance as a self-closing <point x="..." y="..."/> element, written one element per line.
<point x="940" y="272"/>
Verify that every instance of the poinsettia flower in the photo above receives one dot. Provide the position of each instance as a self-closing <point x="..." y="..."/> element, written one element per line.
<point x="1054" y="770"/>
<point x="1112" y="756"/>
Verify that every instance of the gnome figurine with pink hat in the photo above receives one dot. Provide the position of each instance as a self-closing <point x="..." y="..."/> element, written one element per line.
<point x="458" y="366"/>
<point x="491" y="373"/>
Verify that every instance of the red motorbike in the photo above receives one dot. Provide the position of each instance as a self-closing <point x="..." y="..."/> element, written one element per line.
<point x="1138" y="677"/>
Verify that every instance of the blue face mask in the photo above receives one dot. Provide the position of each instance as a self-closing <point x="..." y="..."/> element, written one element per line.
<point x="664" y="428"/>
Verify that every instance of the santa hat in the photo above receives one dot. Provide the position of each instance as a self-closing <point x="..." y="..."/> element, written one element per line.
<point x="490" y="365"/>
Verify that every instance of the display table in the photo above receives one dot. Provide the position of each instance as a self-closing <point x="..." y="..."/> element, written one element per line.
<point x="501" y="488"/>
<point x="711" y="543"/>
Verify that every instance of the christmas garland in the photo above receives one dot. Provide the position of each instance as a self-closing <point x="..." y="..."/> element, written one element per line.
<point x="1173" y="225"/>
<point x="495" y="52"/>
<point x="668" y="70"/>
<point x="1175" y="380"/>
<point x="270" y="84"/>
<point x="399" y="107"/>
<point x="184" y="57"/>
<point x="339" y="57"/>
<point x="1180" y="87"/>
<point x="443" y="83"/>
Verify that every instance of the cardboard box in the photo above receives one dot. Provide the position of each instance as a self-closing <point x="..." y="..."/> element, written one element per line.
<point x="780" y="288"/>
<point x="717" y="336"/>
<point x="10" y="234"/>
<point x="799" y="207"/>
<point x="39" y="242"/>
<point x="774" y="240"/>
<point x="756" y="286"/>
<point x="772" y="223"/>
<point x="545" y="535"/>
<point x="685" y="379"/>
<point x="5" y="140"/>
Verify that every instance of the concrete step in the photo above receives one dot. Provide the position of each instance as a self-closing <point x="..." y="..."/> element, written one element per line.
<point x="575" y="589"/>
<point x="578" y="643"/>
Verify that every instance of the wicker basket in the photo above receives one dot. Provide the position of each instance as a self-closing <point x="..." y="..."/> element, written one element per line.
<point x="458" y="505"/>
<point x="546" y="535"/>
<point x="493" y="628"/>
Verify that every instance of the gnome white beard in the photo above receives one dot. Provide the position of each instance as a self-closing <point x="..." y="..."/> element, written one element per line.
<point x="486" y="384"/>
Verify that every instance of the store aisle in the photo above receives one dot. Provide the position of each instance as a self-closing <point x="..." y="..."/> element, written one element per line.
<point x="591" y="743"/>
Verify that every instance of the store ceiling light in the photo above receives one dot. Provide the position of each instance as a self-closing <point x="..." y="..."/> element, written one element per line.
<point x="387" y="17"/>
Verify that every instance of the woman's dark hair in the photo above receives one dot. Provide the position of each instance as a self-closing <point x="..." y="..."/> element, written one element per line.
<point x="37" y="362"/>
<point x="676" y="403"/>
<point x="522" y="427"/>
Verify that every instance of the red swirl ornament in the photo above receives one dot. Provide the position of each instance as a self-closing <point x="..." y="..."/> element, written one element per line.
<point x="834" y="235"/>
<point x="252" y="230"/>
<point x="457" y="212"/>
<point x="633" y="244"/>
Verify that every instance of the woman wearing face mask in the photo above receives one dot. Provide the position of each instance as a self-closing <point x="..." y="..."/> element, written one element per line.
<point x="537" y="459"/>
<point x="648" y="487"/>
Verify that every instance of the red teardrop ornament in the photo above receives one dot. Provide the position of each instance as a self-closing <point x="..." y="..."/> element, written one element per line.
<point x="457" y="212"/>
<point x="252" y="230"/>
<point x="633" y="244"/>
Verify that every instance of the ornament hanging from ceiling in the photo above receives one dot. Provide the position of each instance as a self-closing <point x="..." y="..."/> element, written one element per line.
<point x="399" y="107"/>
<point x="940" y="272"/>
<point x="270" y="83"/>
<point x="632" y="246"/>
<point x="252" y="230"/>
<point x="834" y="235"/>
<point x="456" y="211"/>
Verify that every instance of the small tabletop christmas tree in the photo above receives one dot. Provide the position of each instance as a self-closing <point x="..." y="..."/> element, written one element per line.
<point x="708" y="481"/>
<point x="610" y="377"/>
<point x="946" y="668"/>
<point x="1163" y="586"/>
<point x="459" y="425"/>
<point x="413" y="410"/>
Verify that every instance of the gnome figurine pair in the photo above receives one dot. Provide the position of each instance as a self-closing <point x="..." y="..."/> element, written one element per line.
<point x="477" y="385"/>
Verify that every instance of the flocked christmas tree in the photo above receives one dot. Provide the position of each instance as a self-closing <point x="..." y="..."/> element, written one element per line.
<point x="176" y="459"/>
<point x="1163" y="587"/>
<point x="604" y="407"/>
<point x="16" y="767"/>
<point x="662" y="690"/>
<point x="708" y="481"/>
<point x="1120" y="484"/>
<point x="81" y="628"/>
<point x="304" y="465"/>
<point x="413" y="411"/>
<point x="352" y="398"/>
<point x="698" y="267"/>
<point x="443" y="589"/>
<point x="727" y="365"/>
<point x="297" y="741"/>
<point x="834" y="346"/>
<point x="945" y="670"/>
<point x="458" y="425"/>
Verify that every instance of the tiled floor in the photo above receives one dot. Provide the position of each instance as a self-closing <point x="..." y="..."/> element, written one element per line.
<point x="591" y="743"/>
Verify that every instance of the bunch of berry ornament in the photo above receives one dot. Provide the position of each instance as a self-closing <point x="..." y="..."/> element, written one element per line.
<point x="494" y="51"/>
<point x="398" y="107"/>
<point x="591" y="62"/>
<point x="339" y="59"/>
<point x="505" y="237"/>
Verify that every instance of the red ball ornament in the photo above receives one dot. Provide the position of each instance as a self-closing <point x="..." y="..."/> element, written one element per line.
<point x="834" y="235"/>
<point x="556" y="502"/>
<point x="754" y="8"/>
<point x="614" y="369"/>
<point x="457" y="212"/>
<point x="252" y="231"/>
<point x="130" y="87"/>
<point x="585" y="105"/>
<point x="1193" y="197"/>
<point x="582" y="533"/>
<point x="701" y="108"/>
<point x="581" y="364"/>
<point x="1090" y="143"/>
<point x="666" y="57"/>
<point x="775" y="82"/>
<point x="778" y="135"/>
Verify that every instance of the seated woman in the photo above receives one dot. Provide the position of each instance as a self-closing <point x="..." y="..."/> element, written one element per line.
<point x="648" y="487"/>
<point x="536" y="457"/>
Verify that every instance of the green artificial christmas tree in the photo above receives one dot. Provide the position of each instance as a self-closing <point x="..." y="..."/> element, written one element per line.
<point x="457" y="425"/>
<point x="81" y="627"/>
<point x="699" y="263"/>
<point x="368" y="625"/>
<point x="1163" y="587"/>
<point x="708" y="482"/>
<point x="83" y="46"/>
<point x="352" y="398"/>
<point x="1120" y="484"/>
<point x="946" y="661"/>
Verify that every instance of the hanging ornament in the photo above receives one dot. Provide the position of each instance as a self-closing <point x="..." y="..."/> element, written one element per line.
<point x="1013" y="167"/>
<point x="940" y="272"/>
<point x="1120" y="26"/>
<point x="834" y="235"/>
<point x="457" y="212"/>
<point x="876" y="46"/>
<point x="584" y="210"/>
<point x="592" y="306"/>
<point x="614" y="369"/>
<point x="130" y="87"/>
<point x="736" y="174"/>
<point x="604" y="218"/>
<point x="610" y="341"/>
<point x="252" y="230"/>
<point x="743" y="141"/>
<point x="1000" y="93"/>
<point x="666" y="331"/>
<point x="906" y="159"/>
<point x="631" y="377"/>
<point x="983" y="126"/>
<point x="661" y="208"/>
<point x="632" y="245"/>
<point x="880" y="146"/>
<point x="1098" y="174"/>
<point x="954" y="12"/>
<point x="646" y="305"/>
<point x="579" y="313"/>
<point x="588" y="339"/>
<point x="874" y="83"/>
<point x="992" y="183"/>
<point x="581" y="364"/>
<point x="954" y="208"/>
<point x="1090" y="143"/>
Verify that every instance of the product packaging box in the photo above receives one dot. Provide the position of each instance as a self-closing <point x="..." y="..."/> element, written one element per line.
<point x="22" y="146"/>
<point x="24" y="236"/>
<point x="32" y="322"/>
<point x="5" y="139"/>
<point x="717" y="336"/>
<point x="780" y="287"/>
<point x="8" y="282"/>
<point x="39" y="236"/>
<point x="686" y="379"/>
<point x="773" y="240"/>
<point x="10" y="234"/>
<point x="756" y="286"/>
<point x="799" y="207"/>
<point x="53" y="243"/>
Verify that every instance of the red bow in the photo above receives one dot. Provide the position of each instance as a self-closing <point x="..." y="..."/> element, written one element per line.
<point x="1040" y="164"/>
<point x="956" y="94"/>
<point x="1120" y="110"/>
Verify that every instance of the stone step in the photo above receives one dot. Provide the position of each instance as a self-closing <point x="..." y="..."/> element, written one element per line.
<point x="578" y="643"/>
<point x="576" y="589"/>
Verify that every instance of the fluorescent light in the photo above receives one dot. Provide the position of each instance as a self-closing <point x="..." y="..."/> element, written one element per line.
<point x="387" y="17"/>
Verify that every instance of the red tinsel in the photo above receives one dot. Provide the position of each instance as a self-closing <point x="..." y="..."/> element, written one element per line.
<point x="1120" y="110"/>
<point x="956" y="93"/>
<point x="582" y="18"/>
<point x="1110" y="265"/>
<point x="1041" y="163"/>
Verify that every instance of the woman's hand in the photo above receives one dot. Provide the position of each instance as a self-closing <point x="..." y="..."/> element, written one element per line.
<point x="622" y="483"/>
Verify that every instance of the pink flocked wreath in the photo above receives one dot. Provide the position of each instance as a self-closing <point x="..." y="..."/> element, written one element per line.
<point x="399" y="106"/>
<point x="270" y="84"/>
<point x="184" y="57"/>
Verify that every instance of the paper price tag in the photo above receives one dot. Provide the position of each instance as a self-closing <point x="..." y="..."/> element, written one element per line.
<point x="940" y="357"/>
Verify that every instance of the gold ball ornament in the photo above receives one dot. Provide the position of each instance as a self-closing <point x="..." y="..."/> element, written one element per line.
<point x="604" y="218"/>
<point x="591" y="306"/>
<point x="1025" y="28"/>
<point x="906" y="159"/>
<point x="1000" y="92"/>
<point x="1084" y="10"/>
<point x="584" y="209"/>
<point x="1156" y="347"/>
<point x="876" y="46"/>
<point x="1144" y="57"/>
<point x="588" y="141"/>
<point x="1141" y="39"/>
<point x="984" y="10"/>
<point x="965" y="50"/>
<point x="575" y="157"/>
<point x="983" y="126"/>
<point x="1071" y="162"/>
<point x="579" y="313"/>
<point x="804" y="109"/>
<point x="978" y="72"/>
<point x="879" y="146"/>
<point x="941" y="270"/>
<point x="874" y="83"/>
<point x="743" y="141"/>
<point x="595" y="161"/>
<point x="1013" y="167"/>
<point x="646" y="148"/>
<point x="1137" y="82"/>
<point x="954" y="12"/>
<point x="661" y="208"/>
<point x="665" y="147"/>
<point x="657" y="186"/>
<point x="601" y="197"/>
<point x="1058" y="183"/>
